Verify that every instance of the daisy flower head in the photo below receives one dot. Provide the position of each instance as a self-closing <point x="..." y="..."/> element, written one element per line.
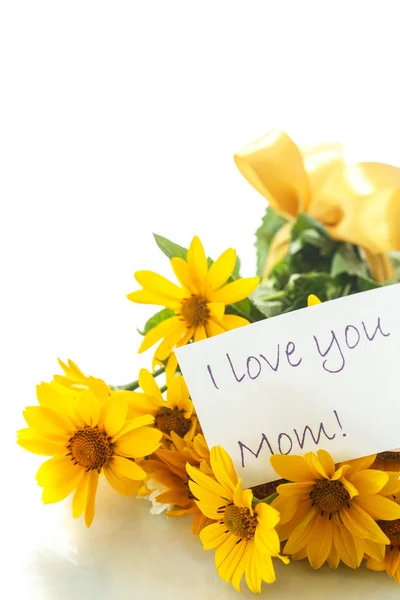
<point x="167" y="483"/>
<point x="86" y="435"/>
<point x="390" y="562"/>
<point x="329" y="513"/>
<point x="198" y="301"/>
<point x="175" y="414"/>
<point x="244" y="537"/>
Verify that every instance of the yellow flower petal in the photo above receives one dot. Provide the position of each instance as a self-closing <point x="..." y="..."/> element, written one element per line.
<point x="208" y="483"/>
<point x="138" y="443"/>
<point x="89" y="408"/>
<point x="229" y="322"/>
<point x="253" y="575"/>
<point x="346" y="547"/>
<point x="379" y="508"/>
<point x="292" y="468"/>
<point x="312" y="300"/>
<point x="61" y="404"/>
<point x="79" y="498"/>
<point x="370" y="481"/>
<point x="349" y="487"/>
<point x="224" y="549"/>
<point x="232" y="563"/>
<point x="167" y="345"/>
<point x="243" y="498"/>
<point x="213" y="535"/>
<point x="266" y="568"/>
<point x="123" y="467"/>
<point x="46" y="422"/>
<point x="326" y="462"/>
<point x="145" y="297"/>
<point x="320" y="542"/>
<point x="157" y="284"/>
<point x="93" y="479"/>
<point x="114" y="414"/>
<point x="358" y="464"/>
<point x="213" y="328"/>
<point x="360" y="524"/>
<point x="235" y="291"/>
<point x="267" y="541"/>
<point x="171" y="366"/>
<point x="149" y="384"/>
<point x="295" y="489"/>
<point x="216" y="310"/>
<point x="223" y="469"/>
<point x="315" y="465"/>
<point x="181" y="270"/>
<point x="57" y="471"/>
<point x="221" y="269"/>
<point x="134" y="423"/>
<point x="29" y="440"/>
<point x="301" y="535"/>
<point x="240" y="569"/>
<point x="178" y="396"/>
<point x="164" y="329"/>
<point x="197" y="263"/>
<point x="199" y="333"/>
<point x="124" y="486"/>
<point x="268" y="516"/>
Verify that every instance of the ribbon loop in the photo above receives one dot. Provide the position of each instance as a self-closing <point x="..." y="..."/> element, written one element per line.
<point x="359" y="204"/>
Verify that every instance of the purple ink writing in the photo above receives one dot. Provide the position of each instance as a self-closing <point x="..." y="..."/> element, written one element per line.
<point x="288" y="442"/>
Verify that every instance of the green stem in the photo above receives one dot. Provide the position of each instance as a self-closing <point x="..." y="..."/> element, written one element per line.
<point x="267" y="500"/>
<point x="135" y="384"/>
<point x="163" y="389"/>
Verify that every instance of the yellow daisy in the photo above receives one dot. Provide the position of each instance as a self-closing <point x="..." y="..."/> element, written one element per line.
<point x="199" y="301"/>
<point x="167" y="482"/>
<point x="244" y="537"/>
<point x="174" y="414"/>
<point x="329" y="514"/>
<point x="86" y="435"/>
<point x="391" y="560"/>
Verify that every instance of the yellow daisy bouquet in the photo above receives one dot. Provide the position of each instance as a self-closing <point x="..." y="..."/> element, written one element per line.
<point x="329" y="230"/>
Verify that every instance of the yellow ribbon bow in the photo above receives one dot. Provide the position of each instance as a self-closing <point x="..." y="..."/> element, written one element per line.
<point x="357" y="203"/>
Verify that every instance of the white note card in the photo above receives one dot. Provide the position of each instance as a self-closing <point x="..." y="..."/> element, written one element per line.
<point x="327" y="376"/>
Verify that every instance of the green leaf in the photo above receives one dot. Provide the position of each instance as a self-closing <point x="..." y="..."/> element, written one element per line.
<point x="304" y="222"/>
<point x="169" y="248"/>
<point x="347" y="259"/>
<point x="156" y="319"/>
<point x="270" y="224"/>
<point x="236" y="270"/>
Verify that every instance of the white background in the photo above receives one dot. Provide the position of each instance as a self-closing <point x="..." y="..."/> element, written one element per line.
<point x="118" y="119"/>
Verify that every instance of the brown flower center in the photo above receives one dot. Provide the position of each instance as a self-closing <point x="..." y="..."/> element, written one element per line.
<point x="90" y="448"/>
<point x="389" y="461"/>
<point x="194" y="310"/>
<point x="172" y="419"/>
<point x="392" y="530"/>
<point x="329" y="496"/>
<point x="240" y="522"/>
<point x="266" y="489"/>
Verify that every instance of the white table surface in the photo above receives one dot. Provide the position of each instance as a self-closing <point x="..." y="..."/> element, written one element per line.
<point x="129" y="553"/>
